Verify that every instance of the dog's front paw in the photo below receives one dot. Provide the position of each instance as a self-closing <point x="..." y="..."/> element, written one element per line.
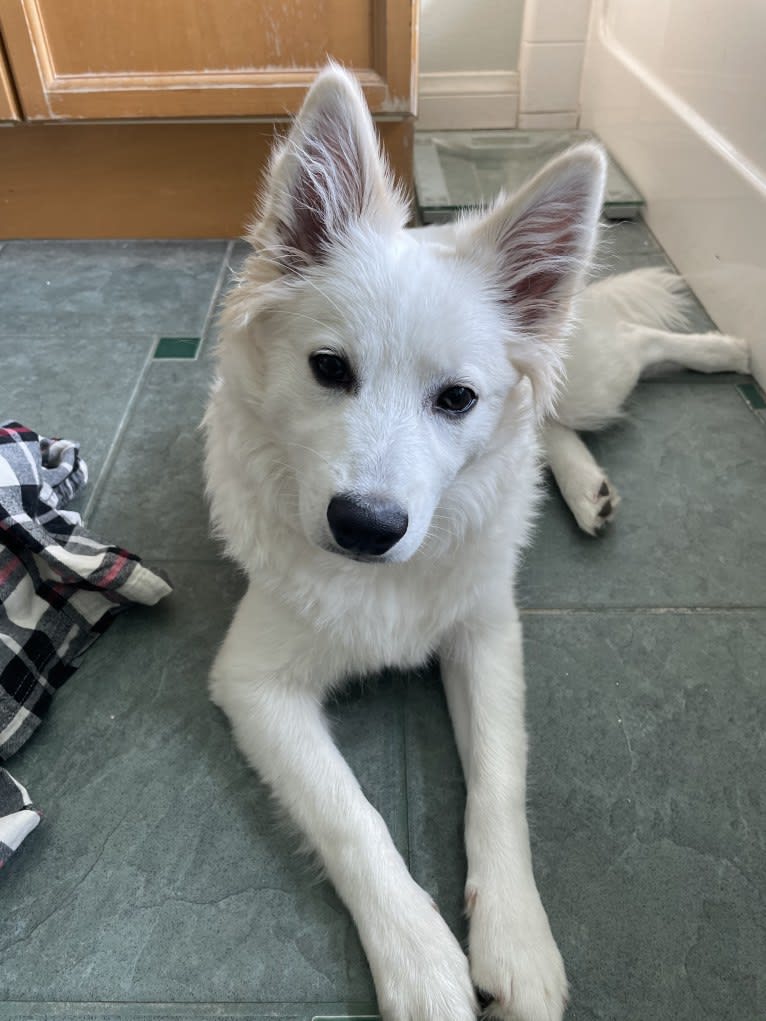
<point x="420" y="971"/>
<point x="515" y="963"/>
<point x="595" y="506"/>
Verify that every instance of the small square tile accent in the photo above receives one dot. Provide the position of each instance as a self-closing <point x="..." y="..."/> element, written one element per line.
<point x="177" y="348"/>
<point x="753" y="396"/>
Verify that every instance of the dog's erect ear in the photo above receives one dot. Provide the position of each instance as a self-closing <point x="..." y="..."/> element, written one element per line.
<point x="326" y="176"/>
<point x="537" y="248"/>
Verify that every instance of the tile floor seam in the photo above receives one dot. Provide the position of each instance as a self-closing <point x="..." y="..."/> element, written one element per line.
<point x="603" y="608"/>
<point x="406" y="779"/>
<point x="649" y="610"/>
<point x="697" y="378"/>
<point x="208" y="323"/>
<point x="195" y="1004"/>
<point x="111" y="455"/>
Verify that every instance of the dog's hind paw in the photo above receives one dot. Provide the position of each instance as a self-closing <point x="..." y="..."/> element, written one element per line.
<point x="595" y="507"/>
<point x="740" y="354"/>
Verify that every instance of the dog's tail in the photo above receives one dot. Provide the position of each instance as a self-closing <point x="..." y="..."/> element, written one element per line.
<point x="650" y="297"/>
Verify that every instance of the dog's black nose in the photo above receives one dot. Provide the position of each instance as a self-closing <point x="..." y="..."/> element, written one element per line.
<point x="370" y="526"/>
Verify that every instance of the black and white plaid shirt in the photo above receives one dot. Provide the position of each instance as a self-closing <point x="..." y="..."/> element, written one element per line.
<point x="60" y="588"/>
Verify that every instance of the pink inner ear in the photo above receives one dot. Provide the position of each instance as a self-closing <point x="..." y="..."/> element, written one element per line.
<point x="328" y="191"/>
<point x="540" y="256"/>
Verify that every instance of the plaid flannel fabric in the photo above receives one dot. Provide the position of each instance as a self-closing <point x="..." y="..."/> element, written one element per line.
<point x="60" y="588"/>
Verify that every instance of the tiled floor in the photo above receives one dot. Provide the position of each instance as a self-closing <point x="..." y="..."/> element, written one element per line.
<point x="159" y="886"/>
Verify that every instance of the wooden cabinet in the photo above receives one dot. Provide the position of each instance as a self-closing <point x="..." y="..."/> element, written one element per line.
<point x="108" y="59"/>
<point x="8" y="110"/>
<point x="155" y="118"/>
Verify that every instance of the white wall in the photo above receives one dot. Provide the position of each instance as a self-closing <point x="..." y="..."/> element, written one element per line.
<point x="470" y="35"/>
<point x="677" y="90"/>
<point x="551" y="60"/>
<point x="501" y="63"/>
<point x="469" y="52"/>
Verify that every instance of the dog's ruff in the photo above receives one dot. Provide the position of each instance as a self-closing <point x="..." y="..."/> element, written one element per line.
<point x="483" y="305"/>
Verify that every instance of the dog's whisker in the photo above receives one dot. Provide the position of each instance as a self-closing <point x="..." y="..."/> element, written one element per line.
<point x="328" y="299"/>
<point x="311" y="319"/>
<point x="302" y="446"/>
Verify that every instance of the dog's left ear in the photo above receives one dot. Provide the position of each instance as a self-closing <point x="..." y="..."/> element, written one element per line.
<point x="537" y="248"/>
<point x="327" y="175"/>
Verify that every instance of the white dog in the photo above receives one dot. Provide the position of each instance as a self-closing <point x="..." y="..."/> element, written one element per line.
<point x="372" y="463"/>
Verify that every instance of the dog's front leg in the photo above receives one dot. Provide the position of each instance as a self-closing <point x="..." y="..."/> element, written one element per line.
<point x="514" y="957"/>
<point x="267" y="678"/>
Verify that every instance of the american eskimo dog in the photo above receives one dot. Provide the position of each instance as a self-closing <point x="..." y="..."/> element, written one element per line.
<point x="372" y="463"/>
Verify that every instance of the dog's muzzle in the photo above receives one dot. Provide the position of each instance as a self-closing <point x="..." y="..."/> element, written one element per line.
<point x="369" y="526"/>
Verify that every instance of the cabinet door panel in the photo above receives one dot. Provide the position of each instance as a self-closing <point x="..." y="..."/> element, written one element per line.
<point x="202" y="58"/>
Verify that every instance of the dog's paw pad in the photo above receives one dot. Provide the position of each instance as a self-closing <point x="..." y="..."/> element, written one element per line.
<point x="596" y="507"/>
<point x="485" y="1000"/>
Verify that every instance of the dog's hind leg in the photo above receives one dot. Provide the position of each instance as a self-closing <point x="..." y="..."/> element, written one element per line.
<point x="514" y="958"/>
<point x="264" y="678"/>
<point x="702" y="352"/>
<point x="589" y="494"/>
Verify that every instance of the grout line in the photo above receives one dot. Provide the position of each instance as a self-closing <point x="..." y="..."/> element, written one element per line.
<point x="405" y="776"/>
<point x="527" y="611"/>
<point x="695" y="378"/>
<point x="119" y="432"/>
<point x="571" y="611"/>
<point x="195" y="1008"/>
<point x="217" y="289"/>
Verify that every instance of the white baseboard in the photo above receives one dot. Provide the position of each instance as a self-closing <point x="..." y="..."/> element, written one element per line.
<point x="466" y="100"/>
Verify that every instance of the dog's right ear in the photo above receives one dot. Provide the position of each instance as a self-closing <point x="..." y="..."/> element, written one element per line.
<point x="536" y="248"/>
<point x="328" y="175"/>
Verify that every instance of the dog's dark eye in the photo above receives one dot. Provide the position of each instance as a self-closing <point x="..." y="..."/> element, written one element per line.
<point x="456" y="400"/>
<point x="331" y="370"/>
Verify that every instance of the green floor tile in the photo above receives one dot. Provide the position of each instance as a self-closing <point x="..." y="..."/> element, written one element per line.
<point x="161" y="870"/>
<point x="646" y="782"/>
<point x="177" y="347"/>
<point x="161" y="883"/>
<point x="54" y="403"/>
<point x="689" y="464"/>
<point x="96" y="289"/>
<point x="158" y="471"/>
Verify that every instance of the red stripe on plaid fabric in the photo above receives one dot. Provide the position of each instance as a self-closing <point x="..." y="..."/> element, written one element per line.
<point x="16" y="427"/>
<point x="114" y="570"/>
<point x="7" y="570"/>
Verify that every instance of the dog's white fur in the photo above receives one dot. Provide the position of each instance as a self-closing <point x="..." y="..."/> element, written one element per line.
<point x="485" y="303"/>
